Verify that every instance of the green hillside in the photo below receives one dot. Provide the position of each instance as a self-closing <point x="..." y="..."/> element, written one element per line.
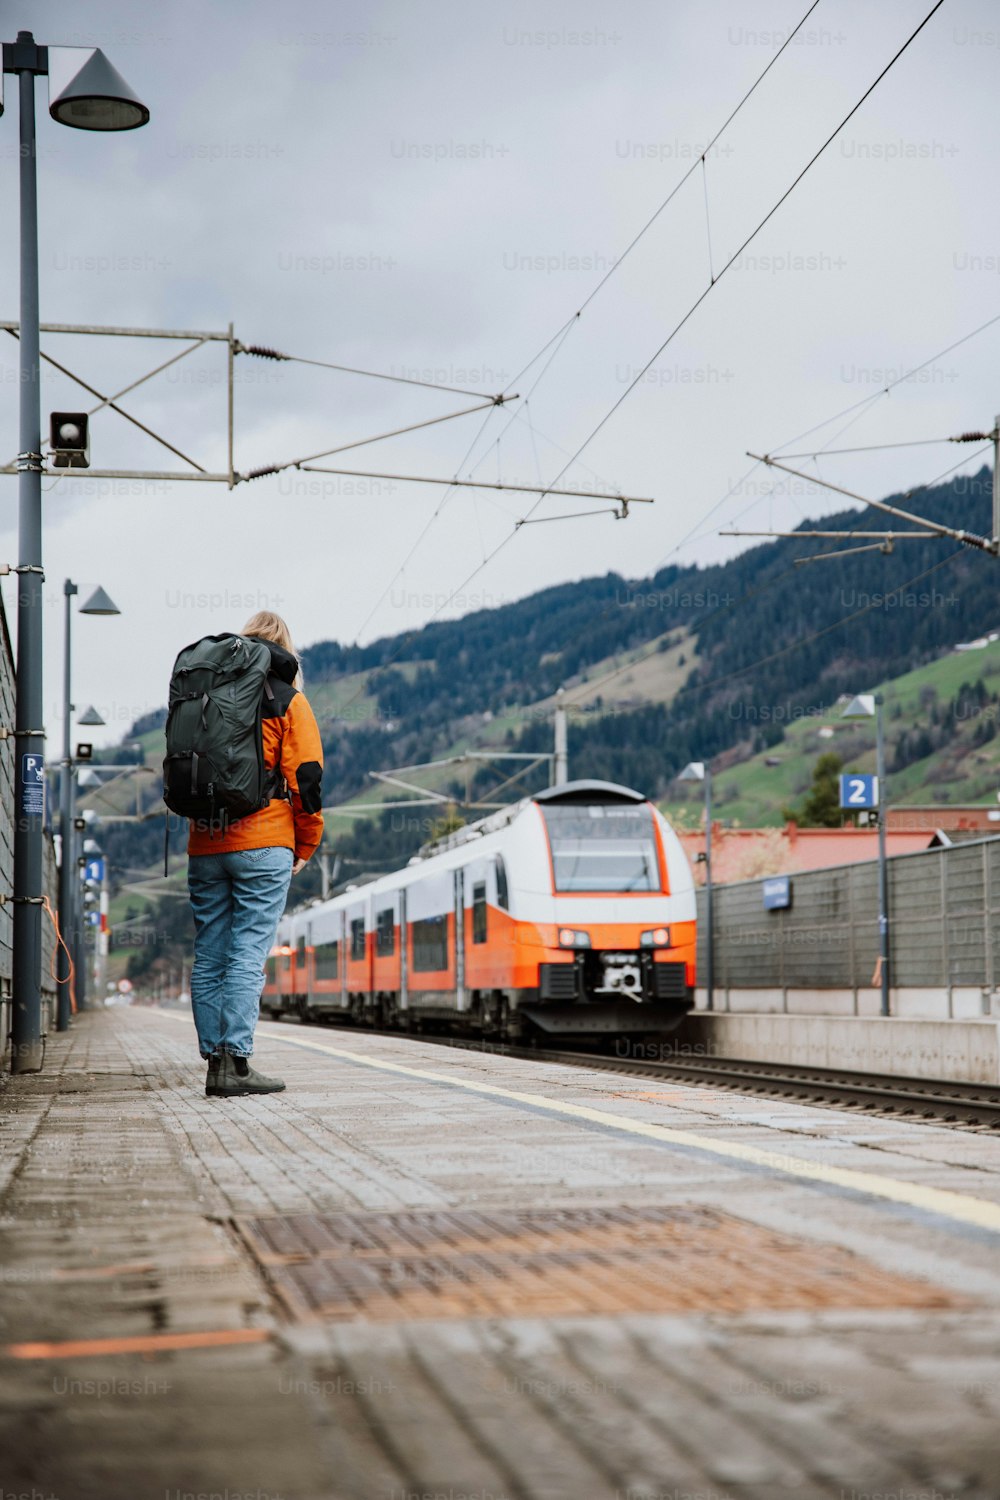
<point x="950" y="708"/>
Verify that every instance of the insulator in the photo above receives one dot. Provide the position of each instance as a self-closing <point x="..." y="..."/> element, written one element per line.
<point x="971" y="437"/>
<point x="260" y="473"/>
<point x="262" y="352"/>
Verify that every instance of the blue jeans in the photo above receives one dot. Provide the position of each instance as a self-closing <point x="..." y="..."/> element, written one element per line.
<point x="237" y="900"/>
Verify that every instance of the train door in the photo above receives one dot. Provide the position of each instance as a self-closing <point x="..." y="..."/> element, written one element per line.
<point x="342" y="956"/>
<point x="404" y="954"/>
<point x="369" y="949"/>
<point x="459" y="939"/>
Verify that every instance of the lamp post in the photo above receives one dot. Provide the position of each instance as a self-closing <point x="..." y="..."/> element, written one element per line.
<point x="97" y="604"/>
<point x="700" y="770"/>
<point x="868" y="706"/>
<point x="87" y="93"/>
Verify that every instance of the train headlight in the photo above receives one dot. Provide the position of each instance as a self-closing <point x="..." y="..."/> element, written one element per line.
<point x="657" y="937"/>
<point x="569" y="937"/>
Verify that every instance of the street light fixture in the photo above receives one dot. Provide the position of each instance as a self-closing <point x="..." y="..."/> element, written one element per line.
<point x="869" y="706"/>
<point x="87" y="93"/>
<point x="700" y="770"/>
<point x="69" y="922"/>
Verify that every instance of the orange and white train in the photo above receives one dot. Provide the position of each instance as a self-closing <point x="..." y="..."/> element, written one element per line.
<point x="571" y="913"/>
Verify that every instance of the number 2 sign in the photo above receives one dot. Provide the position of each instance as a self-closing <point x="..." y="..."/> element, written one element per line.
<point x="858" y="791"/>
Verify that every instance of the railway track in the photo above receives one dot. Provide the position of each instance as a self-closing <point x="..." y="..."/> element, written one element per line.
<point x="970" y="1105"/>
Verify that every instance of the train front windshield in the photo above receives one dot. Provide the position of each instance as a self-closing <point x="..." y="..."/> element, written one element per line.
<point x="606" y="848"/>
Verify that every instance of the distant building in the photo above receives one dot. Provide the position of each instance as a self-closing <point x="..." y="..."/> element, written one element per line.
<point x="748" y="853"/>
<point x="954" y="819"/>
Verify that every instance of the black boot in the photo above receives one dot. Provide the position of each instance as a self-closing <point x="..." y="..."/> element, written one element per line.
<point x="213" y="1075"/>
<point x="237" y="1078"/>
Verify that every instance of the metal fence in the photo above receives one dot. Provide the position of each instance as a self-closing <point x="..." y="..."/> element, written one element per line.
<point x="944" y="912"/>
<point x="7" y="852"/>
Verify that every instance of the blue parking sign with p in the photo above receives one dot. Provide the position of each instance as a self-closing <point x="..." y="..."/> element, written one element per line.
<point x="32" y="785"/>
<point x="858" y="791"/>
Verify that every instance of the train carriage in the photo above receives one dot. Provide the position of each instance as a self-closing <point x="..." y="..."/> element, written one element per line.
<point x="571" y="913"/>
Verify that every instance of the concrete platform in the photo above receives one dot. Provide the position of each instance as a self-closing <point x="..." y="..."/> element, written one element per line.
<point x="959" y="1051"/>
<point x="427" y="1272"/>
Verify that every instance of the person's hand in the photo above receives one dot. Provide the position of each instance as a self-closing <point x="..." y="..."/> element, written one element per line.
<point x="299" y="864"/>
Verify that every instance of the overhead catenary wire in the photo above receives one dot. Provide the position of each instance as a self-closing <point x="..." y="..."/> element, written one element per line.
<point x="687" y="316"/>
<point x="970" y="539"/>
<point x="262" y="352"/>
<point x="562" y="333"/>
<point x="295" y="463"/>
<point x="565" y="328"/>
<point x="962" y="437"/>
<point x="751" y="237"/>
<point x="866" y="401"/>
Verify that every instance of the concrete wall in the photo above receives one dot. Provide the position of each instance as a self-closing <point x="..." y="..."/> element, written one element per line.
<point x="962" y="1051"/>
<point x="928" y="1003"/>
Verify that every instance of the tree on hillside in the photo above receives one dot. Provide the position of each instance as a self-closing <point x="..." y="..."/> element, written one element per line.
<point x="821" y="805"/>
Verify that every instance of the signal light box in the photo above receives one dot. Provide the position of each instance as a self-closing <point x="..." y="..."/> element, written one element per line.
<point x="69" y="439"/>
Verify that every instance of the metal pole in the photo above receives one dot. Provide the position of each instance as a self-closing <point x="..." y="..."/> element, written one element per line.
<point x="103" y="934"/>
<point x="560" y="760"/>
<point x="67" y="862"/>
<point x="709" y="930"/>
<point x="996" y="479"/>
<point x="232" y="351"/>
<point x="80" y="951"/>
<point x="26" y="1026"/>
<point x="883" y="872"/>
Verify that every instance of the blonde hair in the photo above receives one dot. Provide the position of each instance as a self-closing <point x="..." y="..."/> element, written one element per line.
<point x="268" y="626"/>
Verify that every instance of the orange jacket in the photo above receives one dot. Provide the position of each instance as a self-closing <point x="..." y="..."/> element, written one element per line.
<point x="292" y="744"/>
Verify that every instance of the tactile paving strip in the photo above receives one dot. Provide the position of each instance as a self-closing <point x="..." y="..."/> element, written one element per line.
<point x="692" y="1259"/>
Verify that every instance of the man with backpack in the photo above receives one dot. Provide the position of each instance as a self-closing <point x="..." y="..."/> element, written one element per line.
<point x="244" y="764"/>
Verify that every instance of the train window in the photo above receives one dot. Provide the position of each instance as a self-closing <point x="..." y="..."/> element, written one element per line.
<point x="502" y="899"/>
<point x="300" y="950"/>
<point x="385" y="932"/>
<point x="430" y="943"/>
<point x="327" y="957"/>
<point x="270" y="969"/>
<point x="358" y="938"/>
<point x="479" y="910"/>
<point x="602" y="848"/>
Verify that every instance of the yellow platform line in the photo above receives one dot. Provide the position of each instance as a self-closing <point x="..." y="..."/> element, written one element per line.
<point x="961" y="1207"/>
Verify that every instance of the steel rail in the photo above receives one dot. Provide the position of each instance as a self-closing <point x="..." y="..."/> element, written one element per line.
<point x="936" y="1099"/>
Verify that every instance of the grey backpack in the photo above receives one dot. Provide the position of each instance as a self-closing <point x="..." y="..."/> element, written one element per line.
<point x="214" y="768"/>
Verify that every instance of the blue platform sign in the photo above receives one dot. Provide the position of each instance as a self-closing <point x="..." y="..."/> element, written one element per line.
<point x="858" y="791"/>
<point x="32" y="785"/>
<point x="95" y="870"/>
<point x="777" y="892"/>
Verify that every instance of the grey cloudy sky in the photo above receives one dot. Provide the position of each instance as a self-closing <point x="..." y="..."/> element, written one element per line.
<point x="434" y="189"/>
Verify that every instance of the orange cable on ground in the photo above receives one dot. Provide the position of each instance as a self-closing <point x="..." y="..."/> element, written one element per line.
<point x="152" y="1343"/>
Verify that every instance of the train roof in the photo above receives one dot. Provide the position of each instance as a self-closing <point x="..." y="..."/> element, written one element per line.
<point x="588" y="791"/>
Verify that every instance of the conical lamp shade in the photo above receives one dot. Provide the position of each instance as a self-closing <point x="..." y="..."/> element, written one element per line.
<point x="91" y="716"/>
<point x="96" y="97"/>
<point x="99" y="604"/>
